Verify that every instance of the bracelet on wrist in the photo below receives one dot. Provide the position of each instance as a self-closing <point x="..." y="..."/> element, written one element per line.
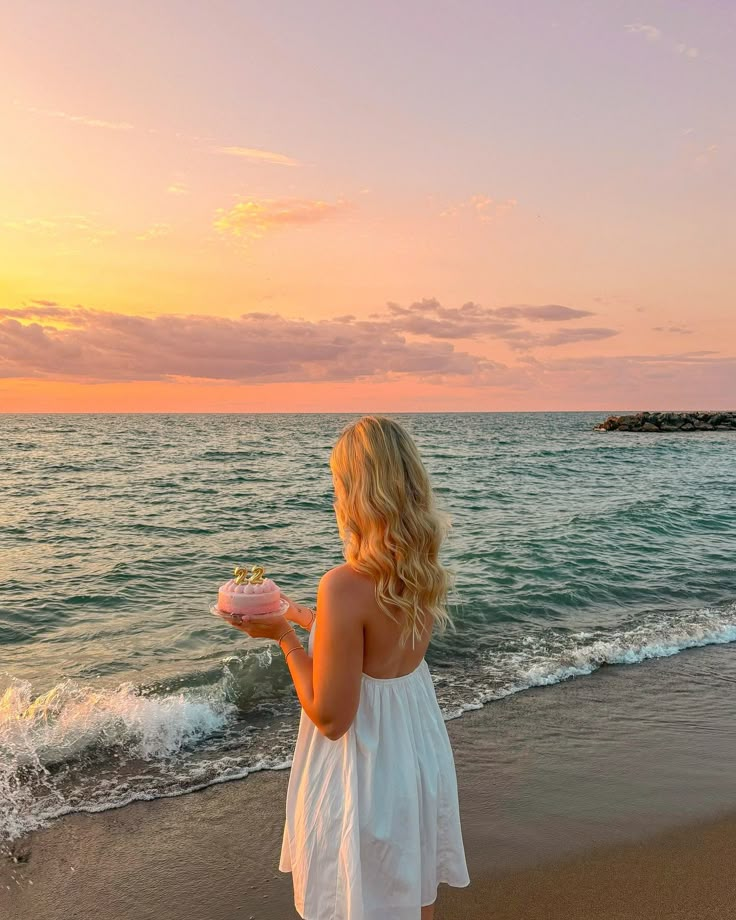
<point x="293" y="650"/>
<point x="290" y="629"/>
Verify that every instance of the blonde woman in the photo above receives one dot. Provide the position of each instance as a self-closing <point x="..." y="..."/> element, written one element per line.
<point x="372" y="821"/>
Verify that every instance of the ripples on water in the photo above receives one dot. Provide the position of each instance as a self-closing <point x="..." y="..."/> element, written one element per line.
<point x="573" y="549"/>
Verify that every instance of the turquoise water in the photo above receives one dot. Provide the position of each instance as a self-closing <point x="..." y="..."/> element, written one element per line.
<point x="573" y="549"/>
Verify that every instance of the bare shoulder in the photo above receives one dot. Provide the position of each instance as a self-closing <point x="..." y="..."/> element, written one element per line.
<point x="343" y="583"/>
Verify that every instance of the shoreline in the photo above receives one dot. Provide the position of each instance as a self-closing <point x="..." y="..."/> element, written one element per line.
<point x="684" y="873"/>
<point x="595" y="797"/>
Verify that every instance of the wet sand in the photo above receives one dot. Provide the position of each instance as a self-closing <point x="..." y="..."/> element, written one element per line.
<point x="199" y="857"/>
<point x="598" y="798"/>
<point x="686" y="874"/>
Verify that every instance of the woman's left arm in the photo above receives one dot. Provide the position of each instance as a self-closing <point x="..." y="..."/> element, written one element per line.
<point x="328" y="685"/>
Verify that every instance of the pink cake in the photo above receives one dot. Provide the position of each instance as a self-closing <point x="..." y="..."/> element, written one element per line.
<point x="249" y="593"/>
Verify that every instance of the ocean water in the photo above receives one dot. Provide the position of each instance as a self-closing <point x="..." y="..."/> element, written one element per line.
<point x="574" y="550"/>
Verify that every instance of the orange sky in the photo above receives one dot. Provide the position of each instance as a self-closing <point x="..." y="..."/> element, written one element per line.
<point x="244" y="209"/>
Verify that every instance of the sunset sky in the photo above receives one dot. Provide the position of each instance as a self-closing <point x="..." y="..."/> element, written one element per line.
<point x="323" y="206"/>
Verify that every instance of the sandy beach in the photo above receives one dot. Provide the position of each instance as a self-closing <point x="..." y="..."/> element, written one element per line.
<point x="200" y="857"/>
<point x="594" y="798"/>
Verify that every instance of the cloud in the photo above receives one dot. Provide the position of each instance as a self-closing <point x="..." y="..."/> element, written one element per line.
<point x="651" y="33"/>
<point x="155" y="232"/>
<point x="687" y="51"/>
<point x="254" y="154"/>
<point x="254" y="348"/>
<point x="261" y="156"/>
<point x="46" y="339"/>
<point x="547" y="312"/>
<point x="178" y="188"/>
<point x="706" y="155"/>
<point x="482" y="207"/>
<point x="675" y="359"/>
<point x="33" y="225"/>
<point x="581" y="334"/>
<point x="682" y="330"/>
<point x="429" y="318"/>
<point x="255" y="218"/>
<point x="39" y="309"/>
<point x="675" y="380"/>
<point x="64" y="226"/>
<point x="78" y="227"/>
<point x="46" y="310"/>
<point x="82" y="119"/>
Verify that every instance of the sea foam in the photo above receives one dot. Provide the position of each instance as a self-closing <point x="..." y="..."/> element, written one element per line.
<point x="181" y="740"/>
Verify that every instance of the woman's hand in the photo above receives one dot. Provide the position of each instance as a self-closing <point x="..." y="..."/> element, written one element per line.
<point x="263" y="626"/>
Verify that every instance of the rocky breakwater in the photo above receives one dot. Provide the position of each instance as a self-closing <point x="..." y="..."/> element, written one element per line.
<point x="670" y="421"/>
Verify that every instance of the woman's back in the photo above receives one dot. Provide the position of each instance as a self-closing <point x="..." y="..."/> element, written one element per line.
<point x="383" y="655"/>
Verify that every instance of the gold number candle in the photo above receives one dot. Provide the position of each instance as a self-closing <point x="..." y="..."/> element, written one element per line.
<point x="257" y="577"/>
<point x="241" y="574"/>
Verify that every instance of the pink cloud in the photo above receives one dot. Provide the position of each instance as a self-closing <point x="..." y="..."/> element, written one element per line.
<point x="255" y="348"/>
<point x="45" y="339"/>
<point x="429" y="318"/>
<point x="681" y="330"/>
<point x="676" y="380"/>
<point x="551" y="312"/>
<point x="86" y="120"/>
<point x="482" y="207"/>
<point x="581" y="334"/>
<point x="687" y="51"/>
<point x="651" y="33"/>
<point x="255" y="217"/>
<point x="261" y="156"/>
<point x="45" y="309"/>
<point x="49" y="342"/>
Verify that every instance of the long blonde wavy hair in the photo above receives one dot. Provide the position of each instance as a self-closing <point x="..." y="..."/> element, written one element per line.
<point x="389" y="523"/>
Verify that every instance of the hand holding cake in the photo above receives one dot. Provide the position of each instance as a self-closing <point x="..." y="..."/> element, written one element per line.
<point x="256" y="606"/>
<point x="253" y="604"/>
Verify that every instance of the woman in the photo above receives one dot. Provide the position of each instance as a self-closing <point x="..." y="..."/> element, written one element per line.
<point x="372" y="821"/>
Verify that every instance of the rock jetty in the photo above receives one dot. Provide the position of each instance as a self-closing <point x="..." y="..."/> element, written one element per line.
<point x="670" y="421"/>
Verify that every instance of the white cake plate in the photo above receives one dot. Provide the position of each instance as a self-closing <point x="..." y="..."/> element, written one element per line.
<point x="284" y="606"/>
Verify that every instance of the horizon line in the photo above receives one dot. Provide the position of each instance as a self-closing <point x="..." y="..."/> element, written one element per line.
<point x="377" y="412"/>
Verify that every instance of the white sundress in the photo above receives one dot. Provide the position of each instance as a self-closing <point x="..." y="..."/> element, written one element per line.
<point x="372" y="819"/>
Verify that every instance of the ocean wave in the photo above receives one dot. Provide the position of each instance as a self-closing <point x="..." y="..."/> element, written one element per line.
<point x="39" y="733"/>
<point x="78" y="747"/>
<point x="552" y="656"/>
<point x="71" y="718"/>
